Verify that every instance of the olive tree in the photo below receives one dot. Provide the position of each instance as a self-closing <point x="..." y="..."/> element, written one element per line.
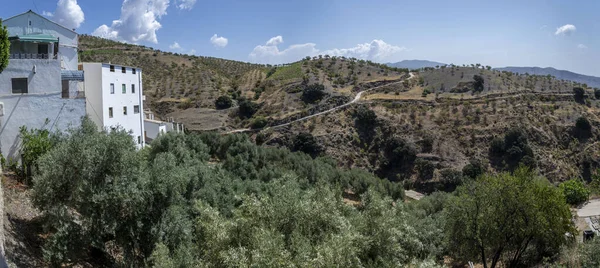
<point x="4" y="47"/>
<point x="499" y="218"/>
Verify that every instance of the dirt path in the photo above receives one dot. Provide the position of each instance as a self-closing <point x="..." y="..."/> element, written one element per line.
<point x="356" y="98"/>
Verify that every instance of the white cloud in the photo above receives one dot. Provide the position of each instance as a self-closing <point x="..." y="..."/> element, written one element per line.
<point x="566" y="29"/>
<point x="138" y="21"/>
<point x="185" y="4"/>
<point x="192" y="52"/>
<point x="175" y="46"/>
<point x="376" y="50"/>
<point x="582" y="46"/>
<point x="219" y="41"/>
<point x="270" y="53"/>
<point x="68" y="13"/>
<point x="275" y="41"/>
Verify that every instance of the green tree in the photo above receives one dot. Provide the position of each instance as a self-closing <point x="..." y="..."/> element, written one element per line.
<point x="313" y="93"/>
<point x="259" y="122"/>
<point x="474" y="169"/>
<point x="247" y="108"/>
<point x="306" y="142"/>
<point x="4" y="47"/>
<point x="579" y="94"/>
<point x="91" y="189"/>
<point x="478" y="84"/>
<point x="223" y="102"/>
<point x="583" y="124"/>
<point x="500" y="217"/>
<point x="575" y="191"/>
<point x="35" y="143"/>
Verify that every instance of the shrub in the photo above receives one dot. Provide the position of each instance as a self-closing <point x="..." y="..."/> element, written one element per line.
<point x="247" y="108"/>
<point x="579" y="94"/>
<point x="575" y="191"/>
<point x="425" y="169"/>
<point x="313" y="93"/>
<point x="259" y="122"/>
<point x="223" y="102"/>
<point x="515" y="219"/>
<point x="365" y="117"/>
<point x="597" y="93"/>
<point x="583" y="124"/>
<point x="478" y="84"/>
<point x="306" y="142"/>
<point x="474" y="169"/>
<point x="497" y="147"/>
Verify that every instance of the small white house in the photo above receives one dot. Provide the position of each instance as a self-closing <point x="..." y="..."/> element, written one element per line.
<point x="115" y="97"/>
<point x="154" y="128"/>
<point x="35" y="86"/>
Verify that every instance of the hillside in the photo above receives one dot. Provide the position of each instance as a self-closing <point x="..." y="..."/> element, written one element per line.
<point x="185" y="87"/>
<point x="441" y="120"/>
<point x="444" y="126"/>
<point x="591" y="81"/>
<point x="415" y="64"/>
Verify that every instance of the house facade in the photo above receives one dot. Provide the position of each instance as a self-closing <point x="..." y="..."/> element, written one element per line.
<point x="154" y="128"/>
<point x="34" y="90"/>
<point x="115" y="97"/>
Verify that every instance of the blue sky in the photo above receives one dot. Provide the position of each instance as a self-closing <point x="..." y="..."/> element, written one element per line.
<point x="496" y="33"/>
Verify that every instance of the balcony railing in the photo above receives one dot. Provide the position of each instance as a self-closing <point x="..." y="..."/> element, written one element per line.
<point x="31" y="56"/>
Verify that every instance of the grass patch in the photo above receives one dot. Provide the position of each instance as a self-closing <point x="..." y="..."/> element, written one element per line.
<point x="293" y="71"/>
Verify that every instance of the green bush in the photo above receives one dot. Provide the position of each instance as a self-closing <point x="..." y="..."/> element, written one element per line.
<point x="478" y="84"/>
<point x="258" y="122"/>
<point x="514" y="219"/>
<point x="579" y="94"/>
<point x="575" y="191"/>
<point x="247" y="108"/>
<point x="313" y="93"/>
<point x="583" y="124"/>
<point x="474" y="169"/>
<point x="223" y="102"/>
<point x="306" y="142"/>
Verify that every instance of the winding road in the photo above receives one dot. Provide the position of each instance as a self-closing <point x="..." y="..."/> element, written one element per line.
<point x="356" y="98"/>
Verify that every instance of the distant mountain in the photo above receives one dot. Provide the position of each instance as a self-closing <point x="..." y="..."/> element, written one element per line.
<point x="591" y="81"/>
<point x="415" y="64"/>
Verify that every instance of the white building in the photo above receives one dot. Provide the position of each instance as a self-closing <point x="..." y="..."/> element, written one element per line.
<point x="40" y="83"/>
<point x="115" y="97"/>
<point x="154" y="128"/>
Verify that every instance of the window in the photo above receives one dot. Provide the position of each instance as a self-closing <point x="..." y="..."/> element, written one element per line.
<point x="112" y="88"/>
<point x="19" y="85"/>
<point x="110" y="112"/>
<point x="29" y="23"/>
<point x="133" y="88"/>
<point x="112" y="68"/>
<point x="123" y="89"/>
<point x="123" y="70"/>
<point x="124" y="110"/>
<point x="136" y="109"/>
<point x="139" y="140"/>
<point x="133" y="70"/>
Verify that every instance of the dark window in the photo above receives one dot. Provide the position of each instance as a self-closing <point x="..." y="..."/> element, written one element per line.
<point x="123" y="89"/>
<point x="110" y="112"/>
<point x="132" y="88"/>
<point x="136" y="109"/>
<point x="112" y="68"/>
<point x="112" y="88"/>
<point x="19" y="85"/>
<point x="124" y="110"/>
<point x="139" y="140"/>
<point x="123" y="70"/>
<point x="133" y="70"/>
